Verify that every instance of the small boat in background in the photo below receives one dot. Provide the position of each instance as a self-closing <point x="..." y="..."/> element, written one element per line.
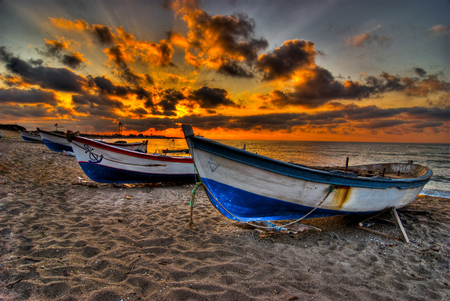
<point x="106" y="163"/>
<point x="30" y="136"/>
<point x="57" y="142"/>
<point x="246" y="187"/>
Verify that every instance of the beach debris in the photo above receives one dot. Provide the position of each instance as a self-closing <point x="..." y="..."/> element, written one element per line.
<point x="267" y="229"/>
<point x="128" y="197"/>
<point x="129" y="271"/>
<point x="412" y="211"/>
<point x="397" y="222"/>
<point x="10" y="285"/>
<point x="85" y="183"/>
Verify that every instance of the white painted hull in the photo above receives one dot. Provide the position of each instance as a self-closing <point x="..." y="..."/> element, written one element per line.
<point x="30" y="137"/>
<point x="110" y="164"/>
<point x="246" y="186"/>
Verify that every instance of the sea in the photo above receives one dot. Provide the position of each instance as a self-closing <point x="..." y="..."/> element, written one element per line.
<point x="312" y="153"/>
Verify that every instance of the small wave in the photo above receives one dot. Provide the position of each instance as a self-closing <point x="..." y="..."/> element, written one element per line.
<point x="436" y="193"/>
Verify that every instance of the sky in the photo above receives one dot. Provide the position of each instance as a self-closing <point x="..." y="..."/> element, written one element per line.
<point x="373" y="71"/>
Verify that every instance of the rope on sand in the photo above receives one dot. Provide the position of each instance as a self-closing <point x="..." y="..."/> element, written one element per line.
<point x="272" y="226"/>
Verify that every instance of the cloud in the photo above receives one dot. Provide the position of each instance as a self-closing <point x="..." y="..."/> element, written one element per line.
<point x="107" y="86"/>
<point x="382" y="124"/>
<point x="59" y="79"/>
<point x="316" y="87"/>
<point x="225" y="43"/>
<point x="420" y="72"/>
<point x="284" y="61"/>
<point x="211" y="98"/>
<point x="431" y="114"/>
<point x="367" y="38"/>
<point x="102" y="33"/>
<point x="168" y="101"/>
<point x="32" y="96"/>
<point x="61" y="51"/>
<point x="122" y="47"/>
<point x="439" y="29"/>
<point x="96" y="105"/>
<point x="27" y="111"/>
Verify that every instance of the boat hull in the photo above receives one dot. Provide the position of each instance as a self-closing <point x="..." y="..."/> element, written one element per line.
<point x="30" y="137"/>
<point x="249" y="187"/>
<point x="55" y="142"/>
<point x="109" y="164"/>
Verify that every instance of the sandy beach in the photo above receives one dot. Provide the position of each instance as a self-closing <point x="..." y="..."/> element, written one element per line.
<point x="64" y="237"/>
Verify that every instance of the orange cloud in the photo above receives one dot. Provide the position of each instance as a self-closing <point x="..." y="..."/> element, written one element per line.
<point x="78" y="25"/>
<point x="225" y="43"/>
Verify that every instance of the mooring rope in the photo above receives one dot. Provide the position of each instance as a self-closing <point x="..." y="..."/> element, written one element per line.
<point x="193" y="199"/>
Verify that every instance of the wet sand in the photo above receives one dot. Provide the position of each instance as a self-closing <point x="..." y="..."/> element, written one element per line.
<point x="66" y="238"/>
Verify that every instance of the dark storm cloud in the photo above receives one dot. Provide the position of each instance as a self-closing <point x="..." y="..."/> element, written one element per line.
<point x="52" y="49"/>
<point x="371" y="112"/>
<point x="60" y="51"/>
<point x="420" y="72"/>
<point x="271" y="122"/>
<point x="427" y="124"/>
<point x="382" y="124"/>
<point x="233" y="68"/>
<point x="124" y="71"/>
<point x="103" y="34"/>
<point x="96" y="105"/>
<point x="211" y="98"/>
<point x="442" y="114"/>
<point x="60" y="79"/>
<point x="106" y="85"/>
<point x="32" y="96"/>
<point x="143" y="125"/>
<point x="169" y="100"/>
<point x="206" y="122"/>
<point x="141" y="112"/>
<point x="5" y="55"/>
<point x="72" y="60"/>
<point x="282" y="62"/>
<point x="26" y="111"/>
<point x="370" y="117"/>
<point x="320" y="86"/>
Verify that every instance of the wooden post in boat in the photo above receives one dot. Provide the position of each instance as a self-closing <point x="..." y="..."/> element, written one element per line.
<point x="399" y="225"/>
<point x="346" y="164"/>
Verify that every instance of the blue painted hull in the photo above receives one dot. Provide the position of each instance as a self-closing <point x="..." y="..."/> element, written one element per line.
<point x="249" y="187"/>
<point x="56" y="147"/>
<point x="241" y="205"/>
<point x="30" y="140"/>
<point x="103" y="174"/>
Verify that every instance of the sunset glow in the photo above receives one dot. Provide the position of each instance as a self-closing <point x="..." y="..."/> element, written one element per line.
<point x="231" y="69"/>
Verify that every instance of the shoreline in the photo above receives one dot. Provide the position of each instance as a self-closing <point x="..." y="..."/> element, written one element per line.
<point x="66" y="238"/>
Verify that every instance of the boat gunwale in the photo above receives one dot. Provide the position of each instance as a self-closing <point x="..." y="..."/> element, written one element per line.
<point x="223" y="150"/>
<point x="131" y="153"/>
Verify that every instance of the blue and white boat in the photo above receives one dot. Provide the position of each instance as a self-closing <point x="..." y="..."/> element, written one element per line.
<point x="58" y="142"/>
<point x="55" y="141"/>
<point x="106" y="163"/>
<point x="246" y="187"/>
<point x="30" y="137"/>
